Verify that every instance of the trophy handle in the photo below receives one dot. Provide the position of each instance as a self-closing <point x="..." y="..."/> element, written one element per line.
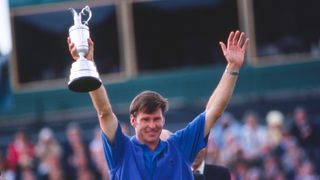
<point x="87" y="8"/>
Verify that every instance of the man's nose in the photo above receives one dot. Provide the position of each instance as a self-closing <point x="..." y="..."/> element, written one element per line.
<point x="152" y="124"/>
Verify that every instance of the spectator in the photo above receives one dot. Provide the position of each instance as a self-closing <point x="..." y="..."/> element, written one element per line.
<point x="125" y="129"/>
<point x="231" y="152"/>
<point x="223" y="141"/>
<point x="227" y="124"/>
<point x="271" y="167"/>
<point x="202" y="170"/>
<point x="239" y="169"/>
<point x="48" y="152"/>
<point x="97" y="156"/>
<point x="307" y="133"/>
<point x="76" y="156"/>
<point x="165" y="134"/>
<point x="253" y="138"/>
<point x="292" y="158"/>
<point x="20" y="156"/>
<point x="253" y="173"/>
<point x="274" y="120"/>
<point x="307" y="171"/>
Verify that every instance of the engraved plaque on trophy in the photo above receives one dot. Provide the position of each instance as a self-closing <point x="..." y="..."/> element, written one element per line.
<point x="84" y="76"/>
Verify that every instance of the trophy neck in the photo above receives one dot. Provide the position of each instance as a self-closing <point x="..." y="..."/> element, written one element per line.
<point x="81" y="54"/>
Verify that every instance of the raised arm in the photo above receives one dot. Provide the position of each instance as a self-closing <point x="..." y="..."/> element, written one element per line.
<point x="234" y="53"/>
<point x="99" y="97"/>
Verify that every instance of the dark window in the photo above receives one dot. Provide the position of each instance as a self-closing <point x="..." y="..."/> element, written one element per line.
<point x="286" y="26"/>
<point x="177" y="34"/>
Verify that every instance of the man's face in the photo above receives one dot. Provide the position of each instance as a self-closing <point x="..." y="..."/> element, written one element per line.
<point x="148" y="127"/>
<point x="300" y="116"/>
<point x="251" y="121"/>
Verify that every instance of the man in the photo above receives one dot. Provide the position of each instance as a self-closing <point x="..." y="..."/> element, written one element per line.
<point x="145" y="156"/>
<point x="307" y="133"/>
<point x="202" y="171"/>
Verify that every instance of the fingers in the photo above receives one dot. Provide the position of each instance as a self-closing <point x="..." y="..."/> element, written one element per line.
<point x="240" y="41"/>
<point x="235" y="38"/>
<point x="90" y="42"/>
<point x="230" y="38"/>
<point x="223" y="47"/>
<point x="89" y="55"/>
<point x="245" y="45"/>
<point x="70" y="44"/>
<point x="72" y="49"/>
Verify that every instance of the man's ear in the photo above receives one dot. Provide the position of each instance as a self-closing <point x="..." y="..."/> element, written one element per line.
<point x="132" y="121"/>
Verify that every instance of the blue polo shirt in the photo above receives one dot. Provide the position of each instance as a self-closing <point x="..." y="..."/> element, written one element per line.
<point x="128" y="159"/>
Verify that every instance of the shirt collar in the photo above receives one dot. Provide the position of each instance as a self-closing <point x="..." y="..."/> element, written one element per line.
<point x="160" y="147"/>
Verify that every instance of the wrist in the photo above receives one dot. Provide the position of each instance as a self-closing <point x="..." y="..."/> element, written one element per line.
<point x="231" y="72"/>
<point x="233" y="67"/>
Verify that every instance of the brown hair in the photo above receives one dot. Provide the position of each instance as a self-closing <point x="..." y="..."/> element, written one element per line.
<point x="148" y="102"/>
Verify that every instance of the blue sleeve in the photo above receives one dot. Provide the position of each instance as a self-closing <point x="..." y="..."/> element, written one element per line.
<point x="114" y="152"/>
<point x="191" y="139"/>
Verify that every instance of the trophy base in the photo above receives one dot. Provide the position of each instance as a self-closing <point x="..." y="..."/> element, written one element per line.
<point x="84" y="84"/>
<point x="84" y="76"/>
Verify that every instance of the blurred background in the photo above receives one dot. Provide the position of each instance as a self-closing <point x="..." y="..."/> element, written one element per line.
<point x="271" y="126"/>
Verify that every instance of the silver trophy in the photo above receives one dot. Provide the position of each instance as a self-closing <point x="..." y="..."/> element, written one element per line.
<point x="84" y="76"/>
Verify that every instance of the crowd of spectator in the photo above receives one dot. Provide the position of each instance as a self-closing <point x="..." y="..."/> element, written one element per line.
<point x="275" y="147"/>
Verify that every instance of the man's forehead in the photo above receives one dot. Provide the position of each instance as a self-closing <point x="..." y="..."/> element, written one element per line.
<point x="144" y="111"/>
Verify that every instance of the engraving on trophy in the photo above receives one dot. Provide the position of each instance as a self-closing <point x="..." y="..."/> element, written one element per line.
<point x="84" y="76"/>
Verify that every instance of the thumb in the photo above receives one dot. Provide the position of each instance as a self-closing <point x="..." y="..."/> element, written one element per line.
<point x="223" y="47"/>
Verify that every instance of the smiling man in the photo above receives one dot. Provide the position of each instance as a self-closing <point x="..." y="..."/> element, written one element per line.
<point x="145" y="156"/>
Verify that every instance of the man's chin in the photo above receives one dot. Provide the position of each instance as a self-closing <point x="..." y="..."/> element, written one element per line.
<point x="153" y="139"/>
